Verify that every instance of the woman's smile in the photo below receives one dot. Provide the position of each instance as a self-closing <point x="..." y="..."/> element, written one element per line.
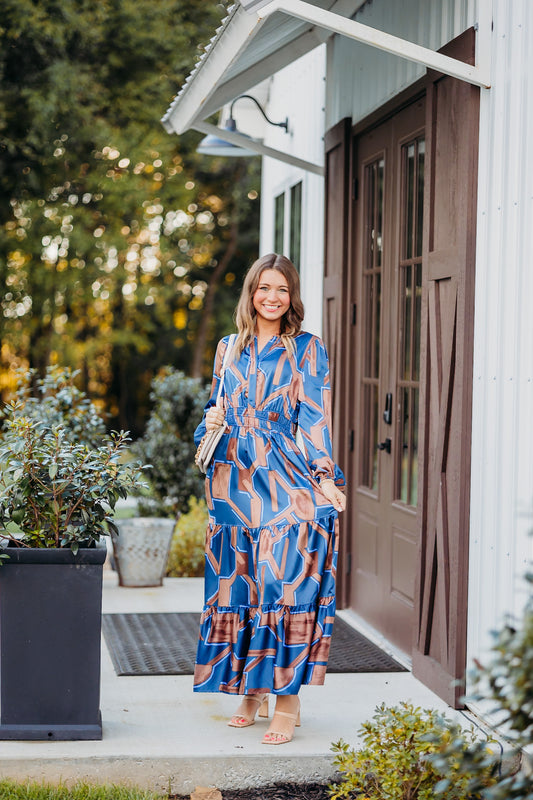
<point x="272" y="299"/>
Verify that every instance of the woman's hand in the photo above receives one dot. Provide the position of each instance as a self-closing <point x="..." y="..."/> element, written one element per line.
<point x="214" y="417"/>
<point x="333" y="493"/>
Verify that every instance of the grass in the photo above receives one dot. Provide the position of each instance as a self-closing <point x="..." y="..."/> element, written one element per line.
<point x="11" y="790"/>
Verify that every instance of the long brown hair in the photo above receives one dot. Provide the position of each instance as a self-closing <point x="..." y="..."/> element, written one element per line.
<point x="245" y="315"/>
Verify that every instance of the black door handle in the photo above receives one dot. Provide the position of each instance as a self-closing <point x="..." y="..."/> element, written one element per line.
<point x="386" y="445"/>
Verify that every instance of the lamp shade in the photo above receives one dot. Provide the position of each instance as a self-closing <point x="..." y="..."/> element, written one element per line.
<point x="212" y="145"/>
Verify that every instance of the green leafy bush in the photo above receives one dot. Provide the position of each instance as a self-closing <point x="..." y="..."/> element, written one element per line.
<point x="55" y="400"/>
<point x="168" y="444"/>
<point x="506" y="682"/>
<point x="394" y="764"/>
<point x="186" y="557"/>
<point x="56" y="493"/>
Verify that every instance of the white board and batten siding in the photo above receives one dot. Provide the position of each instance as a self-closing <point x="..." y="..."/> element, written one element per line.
<point x="501" y="517"/>
<point x="298" y="92"/>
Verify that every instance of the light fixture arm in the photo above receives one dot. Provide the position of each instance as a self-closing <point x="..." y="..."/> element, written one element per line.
<point x="284" y="124"/>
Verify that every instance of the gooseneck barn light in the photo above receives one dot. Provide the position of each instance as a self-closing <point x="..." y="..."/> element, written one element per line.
<point x="216" y="146"/>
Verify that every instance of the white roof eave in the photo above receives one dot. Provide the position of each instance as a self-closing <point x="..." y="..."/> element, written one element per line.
<point x="222" y="51"/>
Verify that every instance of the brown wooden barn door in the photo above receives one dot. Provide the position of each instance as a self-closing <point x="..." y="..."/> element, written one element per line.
<point x="335" y="268"/>
<point x="446" y="377"/>
<point x="387" y="268"/>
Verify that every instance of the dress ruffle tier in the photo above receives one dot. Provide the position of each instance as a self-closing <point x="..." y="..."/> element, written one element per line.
<point x="267" y="622"/>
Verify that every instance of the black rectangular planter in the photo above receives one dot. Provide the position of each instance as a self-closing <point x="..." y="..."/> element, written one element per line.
<point x="50" y="629"/>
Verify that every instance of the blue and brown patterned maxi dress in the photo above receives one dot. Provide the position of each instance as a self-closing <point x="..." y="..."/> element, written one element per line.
<point x="271" y="546"/>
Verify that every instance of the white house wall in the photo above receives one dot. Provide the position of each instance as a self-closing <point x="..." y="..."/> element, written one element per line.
<point x="362" y="78"/>
<point x="297" y="92"/>
<point x="502" y="430"/>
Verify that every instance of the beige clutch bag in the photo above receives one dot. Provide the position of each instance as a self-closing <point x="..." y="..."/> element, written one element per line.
<point x="210" y="439"/>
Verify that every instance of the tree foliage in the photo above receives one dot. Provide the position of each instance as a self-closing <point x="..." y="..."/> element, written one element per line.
<point x="112" y="232"/>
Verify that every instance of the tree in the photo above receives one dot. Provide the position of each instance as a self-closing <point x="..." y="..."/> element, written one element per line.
<point x="112" y="233"/>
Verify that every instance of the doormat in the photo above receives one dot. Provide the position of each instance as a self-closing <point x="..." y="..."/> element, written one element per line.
<point x="165" y="644"/>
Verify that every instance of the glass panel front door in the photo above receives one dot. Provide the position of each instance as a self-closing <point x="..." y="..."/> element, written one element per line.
<point x="387" y="275"/>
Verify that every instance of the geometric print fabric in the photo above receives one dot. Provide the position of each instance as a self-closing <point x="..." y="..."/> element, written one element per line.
<point x="271" y="545"/>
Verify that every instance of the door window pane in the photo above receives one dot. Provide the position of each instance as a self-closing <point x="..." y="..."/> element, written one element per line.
<point x="377" y="323"/>
<point x="417" y="321"/>
<point x="420" y="198"/>
<point x="409" y="448"/>
<point x="407" y="305"/>
<point x="370" y="437"/>
<point x="372" y="302"/>
<point x="409" y="152"/>
<point x="380" y="174"/>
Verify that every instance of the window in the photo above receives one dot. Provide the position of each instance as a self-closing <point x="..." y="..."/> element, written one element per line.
<point x="279" y="223"/>
<point x="296" y="225"/>
<point x="288" y="223"/>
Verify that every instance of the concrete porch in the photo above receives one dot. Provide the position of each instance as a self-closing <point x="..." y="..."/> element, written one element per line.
<point x="159" y="735"/>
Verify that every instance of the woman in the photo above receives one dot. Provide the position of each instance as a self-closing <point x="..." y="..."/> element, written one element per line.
<point x="271" y="545"/>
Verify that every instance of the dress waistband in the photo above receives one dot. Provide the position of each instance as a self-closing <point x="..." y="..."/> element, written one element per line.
<point x="264" y="420"/>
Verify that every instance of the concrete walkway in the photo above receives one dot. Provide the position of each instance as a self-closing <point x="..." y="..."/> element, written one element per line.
<point x="161" y="736"/>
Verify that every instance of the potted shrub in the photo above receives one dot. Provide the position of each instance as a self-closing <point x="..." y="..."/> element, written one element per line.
<point x="142" y="544"/>
<point x="56" y="502"/>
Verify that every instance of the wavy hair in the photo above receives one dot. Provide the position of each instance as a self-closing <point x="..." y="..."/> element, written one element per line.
<point x="245" y="314"/>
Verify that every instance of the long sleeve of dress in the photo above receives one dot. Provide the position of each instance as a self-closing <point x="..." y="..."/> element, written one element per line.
<point x="217" y="369"/>
<point x="314" y="416"/>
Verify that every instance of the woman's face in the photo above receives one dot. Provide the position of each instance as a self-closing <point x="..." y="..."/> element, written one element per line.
<point x="272" y="298"/>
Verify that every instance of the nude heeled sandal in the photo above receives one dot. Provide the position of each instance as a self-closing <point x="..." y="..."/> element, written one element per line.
<point x="240" y="720"/>
<point x="272" y="736"/>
